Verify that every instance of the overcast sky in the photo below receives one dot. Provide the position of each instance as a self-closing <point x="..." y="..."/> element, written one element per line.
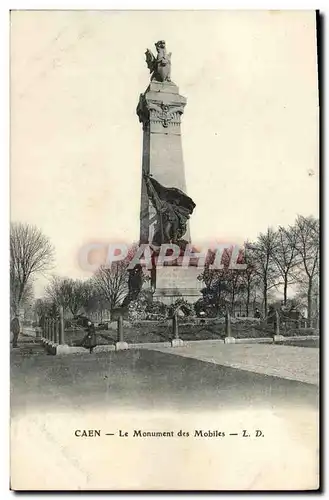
<point x="250" y="127"/>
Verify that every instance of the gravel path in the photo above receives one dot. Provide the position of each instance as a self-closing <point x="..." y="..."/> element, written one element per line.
<point x="290" y="362"/>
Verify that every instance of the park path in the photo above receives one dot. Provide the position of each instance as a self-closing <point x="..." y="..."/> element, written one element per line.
<point x="289" y="362"/>
<point x="27" y="345"/>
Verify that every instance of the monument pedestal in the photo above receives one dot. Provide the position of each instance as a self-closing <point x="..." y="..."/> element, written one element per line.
<point x="176" y="282"/>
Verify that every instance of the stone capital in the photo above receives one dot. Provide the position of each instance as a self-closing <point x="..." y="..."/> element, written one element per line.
<point x="162" y="109"/>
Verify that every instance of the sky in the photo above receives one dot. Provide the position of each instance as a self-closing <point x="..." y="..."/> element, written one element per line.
<point x="249" y="130"/>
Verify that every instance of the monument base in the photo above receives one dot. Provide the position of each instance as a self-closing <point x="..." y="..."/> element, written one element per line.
<point x="176" y="282"/>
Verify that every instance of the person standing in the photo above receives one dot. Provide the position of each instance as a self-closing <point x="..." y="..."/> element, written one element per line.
<point x="89" y="341"/>
<point x="257" y="314"/>
<point x="15" y="329"/>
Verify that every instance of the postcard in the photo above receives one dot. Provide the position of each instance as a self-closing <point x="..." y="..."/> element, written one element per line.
<point x="164" y="250"/>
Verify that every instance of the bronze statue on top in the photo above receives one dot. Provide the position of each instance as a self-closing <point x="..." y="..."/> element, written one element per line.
<point x="159" y="66"/>
<point x="174" y="209"/>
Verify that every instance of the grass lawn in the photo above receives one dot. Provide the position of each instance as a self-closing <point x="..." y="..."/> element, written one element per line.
<point x="146" y="333"/>
<point x="151" y="331"/>
<point x="301" y="342"/>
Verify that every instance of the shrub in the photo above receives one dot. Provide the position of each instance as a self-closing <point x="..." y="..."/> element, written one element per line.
<point x="156" y="310"/>
<point x="137" y="309"/>
<point x="144" y="308"/>
<point x="186" y="307"/>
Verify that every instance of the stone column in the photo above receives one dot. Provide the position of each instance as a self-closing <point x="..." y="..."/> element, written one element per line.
<point x="159" y="110"/>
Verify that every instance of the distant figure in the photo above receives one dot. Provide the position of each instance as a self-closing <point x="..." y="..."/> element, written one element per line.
<point x="15" y="329"/>
<point x="89" y="341"/>
<point x="257" y="313"/>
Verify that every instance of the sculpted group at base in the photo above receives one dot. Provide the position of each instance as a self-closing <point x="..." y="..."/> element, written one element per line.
<point x="197" y="433"/>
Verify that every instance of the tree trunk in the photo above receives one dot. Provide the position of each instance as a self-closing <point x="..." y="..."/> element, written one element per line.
<point x="265" y="300"/>
<point x="285" y="290"/>
<point x="248" y="301"/>
<point x="309" y="303"/>
<point x="19" y="297"/>
<point x="217" y="303"/>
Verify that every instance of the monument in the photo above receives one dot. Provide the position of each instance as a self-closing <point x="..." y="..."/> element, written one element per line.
<point x="165" y="206"/>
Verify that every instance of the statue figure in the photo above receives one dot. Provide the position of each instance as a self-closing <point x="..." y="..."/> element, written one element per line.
<point x="135" y="283"/>
<point x="174" y="208"/>
<point x="159" y="66"/>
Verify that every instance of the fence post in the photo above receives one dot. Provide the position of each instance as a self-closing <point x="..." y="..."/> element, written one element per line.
<point x="120" y="345"/>
<point x="61" y="326"/>
<point x="277" y="323"/>
<point x="53" y="321"/>
<point x="228" y="330"/>
<point x="276" y="334"/>
<point x="176" y="341"/>
<point x="47" y="329"/>
<point x="120" y="329"/>
<point x="56" y="331"/>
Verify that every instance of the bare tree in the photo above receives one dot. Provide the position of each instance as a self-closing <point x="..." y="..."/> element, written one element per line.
<point x="263" y="250"/>
<point x="95" y="301"/>
<point x="305" y="239"/>
<point x="286" y="257"/>
<point x="232" y="280"/>
<point x="26" y="298"/>
<point x="250" y="279"/>
<point x="72" y="294"/>
<point x="112" y="282"/>
<point x="301" y="298"/>
<point x="45" y="308"/>
<point x="30" y="253"/>
<point x="77" y="293"/>
<point x="56" y="292"/>
<point x="215" y="291"/>
<point x="223" y="286"/>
